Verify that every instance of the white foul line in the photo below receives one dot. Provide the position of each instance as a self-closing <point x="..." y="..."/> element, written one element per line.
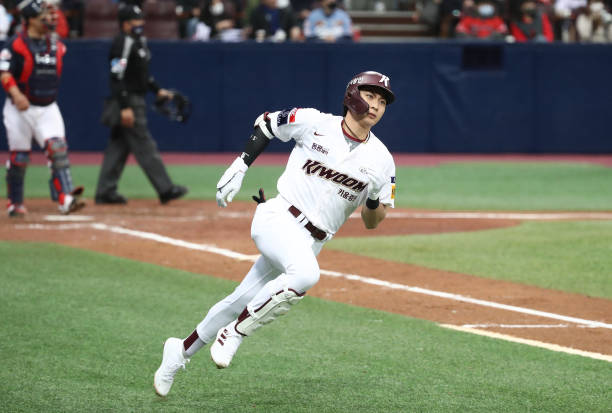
<point x="352" y="277"/>
<point x="524" y="216"/>
<point x="534" y="343"/>
<point x="367" y="280"/>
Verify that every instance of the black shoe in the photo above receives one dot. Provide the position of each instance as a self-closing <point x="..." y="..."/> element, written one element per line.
<point x="113" y="198"/>
<point x="175" y="192"/>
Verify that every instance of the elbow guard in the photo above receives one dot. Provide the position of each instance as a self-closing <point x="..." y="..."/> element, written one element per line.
<point x="263" y="124"/>
<point x="262" y="134"/>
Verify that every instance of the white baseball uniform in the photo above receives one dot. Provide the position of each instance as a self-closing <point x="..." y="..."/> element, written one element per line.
<point x="325" y="180"/>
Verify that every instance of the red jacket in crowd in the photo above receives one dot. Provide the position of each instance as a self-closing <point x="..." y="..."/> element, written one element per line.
<point x="481" y="28"/>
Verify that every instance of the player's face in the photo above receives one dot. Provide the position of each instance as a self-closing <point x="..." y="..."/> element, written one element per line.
<point x="378" y="105"/>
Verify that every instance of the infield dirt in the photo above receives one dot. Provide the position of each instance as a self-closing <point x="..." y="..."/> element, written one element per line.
<point x="203" y="222"/>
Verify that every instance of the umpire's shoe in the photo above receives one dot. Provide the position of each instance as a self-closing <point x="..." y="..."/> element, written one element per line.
<point x="16" y="211"/>
<point x="112" y="198"/>
<point x="172" y="361"/>
<point x="175" y="192"/>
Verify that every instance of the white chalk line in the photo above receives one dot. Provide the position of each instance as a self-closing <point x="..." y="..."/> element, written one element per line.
<point x="352" y="277"/>
<point x="526" y="216"/>
<point x="493" y="325"/>
<point x="534" y="343"/>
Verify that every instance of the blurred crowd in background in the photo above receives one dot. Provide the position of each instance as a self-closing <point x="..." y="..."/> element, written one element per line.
<point x="588" y="21"/>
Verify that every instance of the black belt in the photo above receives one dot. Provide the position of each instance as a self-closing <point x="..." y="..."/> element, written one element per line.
<point x="316" y="233"/>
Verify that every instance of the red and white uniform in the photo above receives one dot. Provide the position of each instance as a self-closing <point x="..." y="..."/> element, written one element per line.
<point x="36" y="66"/>
<point x="326" y="179"/>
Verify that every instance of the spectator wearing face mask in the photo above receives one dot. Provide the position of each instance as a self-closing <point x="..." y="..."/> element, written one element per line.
<point x="531" y="24"/>
<point x="485" y="23"/>
<point x="594" y="25"/>
<point x="218" y="15"/>
<point x="328" y="23"/>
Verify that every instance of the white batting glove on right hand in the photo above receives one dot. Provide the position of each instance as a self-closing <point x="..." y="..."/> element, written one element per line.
<point x="231" y="181"/>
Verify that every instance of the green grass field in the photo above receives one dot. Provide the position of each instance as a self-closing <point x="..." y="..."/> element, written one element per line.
<point x="82" y="331"/>
<point x="474" y="186"/>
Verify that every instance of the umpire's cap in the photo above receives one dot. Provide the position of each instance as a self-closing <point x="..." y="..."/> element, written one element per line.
<point x="30" y="8"/>
<point x="129" y="12"/>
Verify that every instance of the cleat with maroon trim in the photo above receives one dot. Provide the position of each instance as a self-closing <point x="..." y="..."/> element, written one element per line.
<point x="16" y="210"/>
<point x="172" y="361"/>
<point x="225" y="345"/>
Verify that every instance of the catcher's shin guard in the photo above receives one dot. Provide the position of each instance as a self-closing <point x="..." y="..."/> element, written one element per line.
<point x="61" y="179"/>
<point x="15" y="176"/>
<point x="278" y="305"/>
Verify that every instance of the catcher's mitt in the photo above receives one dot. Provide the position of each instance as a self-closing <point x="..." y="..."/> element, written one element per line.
<point x="176" y="108"/>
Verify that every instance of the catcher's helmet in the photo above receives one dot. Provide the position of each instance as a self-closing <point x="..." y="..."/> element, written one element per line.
<point x="30" y="8"/>
<point x="353" y="100"/>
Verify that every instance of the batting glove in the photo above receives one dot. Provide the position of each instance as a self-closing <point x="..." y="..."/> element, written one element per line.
<point x="231" y="181"/>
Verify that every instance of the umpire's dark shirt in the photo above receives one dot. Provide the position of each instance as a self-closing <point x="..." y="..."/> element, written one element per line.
<point x="129" y="68"/>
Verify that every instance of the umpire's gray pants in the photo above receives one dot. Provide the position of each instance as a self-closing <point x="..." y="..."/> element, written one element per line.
<point x="138" y="141"/>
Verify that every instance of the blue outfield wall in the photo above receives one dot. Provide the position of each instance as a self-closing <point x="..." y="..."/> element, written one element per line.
<point x="451" y="97"/>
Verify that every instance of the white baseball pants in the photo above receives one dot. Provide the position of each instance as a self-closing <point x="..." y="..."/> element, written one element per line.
<point x="38" y="122"/>
<point x="288" y="260"/>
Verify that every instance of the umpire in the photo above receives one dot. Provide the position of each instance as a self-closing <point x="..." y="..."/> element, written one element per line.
<point x="130" y="80"/>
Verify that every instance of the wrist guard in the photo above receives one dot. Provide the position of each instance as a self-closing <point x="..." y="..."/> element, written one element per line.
<point x="372" y="203"/>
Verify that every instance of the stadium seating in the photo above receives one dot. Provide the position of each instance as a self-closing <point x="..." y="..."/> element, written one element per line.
<point x="160" y="19"/>
<point x="100" y="19"/>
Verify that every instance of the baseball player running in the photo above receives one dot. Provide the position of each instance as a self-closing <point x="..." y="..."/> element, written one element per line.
<point x="337" y="165"/>
<point x="30" y="70"/>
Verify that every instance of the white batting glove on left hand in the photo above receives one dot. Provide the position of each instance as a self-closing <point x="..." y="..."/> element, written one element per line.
<point x="231" y="181"/>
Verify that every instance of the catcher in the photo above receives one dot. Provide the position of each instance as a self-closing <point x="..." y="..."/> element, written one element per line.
<point x="30" y="70"/>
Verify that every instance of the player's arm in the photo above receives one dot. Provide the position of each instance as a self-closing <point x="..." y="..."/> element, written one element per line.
<point x="10" y="63"/>
<point x="10" y="86"/>
<point x="229" y="184"/>
<point x="118" y="57"/>
<point x="381" y="194"/>
<point x="373" y="212"/>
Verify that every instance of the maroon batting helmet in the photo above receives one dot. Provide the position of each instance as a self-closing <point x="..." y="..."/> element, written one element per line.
<point x="352" y="98"/>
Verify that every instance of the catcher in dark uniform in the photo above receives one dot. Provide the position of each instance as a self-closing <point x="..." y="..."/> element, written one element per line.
<point x="125" y="113"/>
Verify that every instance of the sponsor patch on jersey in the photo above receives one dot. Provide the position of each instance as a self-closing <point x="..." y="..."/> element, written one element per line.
<point x="118" y="65"/>
<point x="392" y="179"/>
<point x="292" y="115"/>
<point x="283" y="117"/>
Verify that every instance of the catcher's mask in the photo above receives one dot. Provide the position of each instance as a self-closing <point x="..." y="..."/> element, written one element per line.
<point x="352" y="98"/>
<point x="176" y="108"/>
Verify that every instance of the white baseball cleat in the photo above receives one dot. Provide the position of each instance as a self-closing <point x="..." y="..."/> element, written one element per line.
<point x="172" y="361"/>
<point x="71" y="204"/>
<point x="225" y="346"/>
